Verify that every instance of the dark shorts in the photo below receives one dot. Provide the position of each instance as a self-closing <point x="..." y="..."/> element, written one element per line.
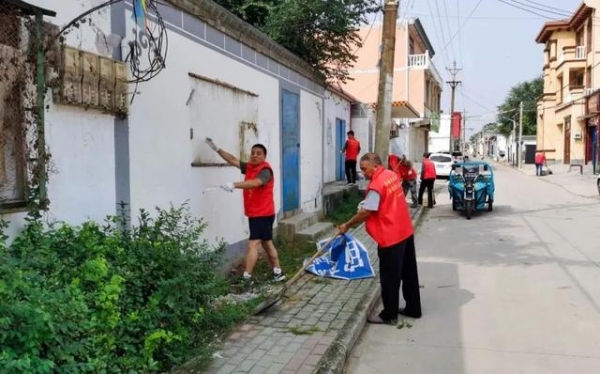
<point x="261" y="228"/>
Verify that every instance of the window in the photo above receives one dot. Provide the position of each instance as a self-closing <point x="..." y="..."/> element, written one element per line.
<point x="576" y="78"/>
<point x="15" y="79"/>
<point x="579" y="37"/>
<point x="440" y="158"/>
<point x="559" y="82"/>
<point x="589" y="35"/>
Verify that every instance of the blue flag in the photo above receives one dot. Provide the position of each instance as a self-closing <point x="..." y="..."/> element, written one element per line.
<point x="344" y="258"/>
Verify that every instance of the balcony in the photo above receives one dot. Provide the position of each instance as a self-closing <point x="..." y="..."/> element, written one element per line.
<point x="423" y="61"/>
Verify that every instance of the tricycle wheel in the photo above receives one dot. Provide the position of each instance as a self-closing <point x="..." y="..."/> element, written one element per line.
<point x="490" y="205"/>
<point x="469" y="209"/>
<point x="454" y="208"/>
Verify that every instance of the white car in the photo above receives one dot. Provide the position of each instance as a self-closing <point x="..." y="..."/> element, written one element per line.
<point x="443" y="164"/>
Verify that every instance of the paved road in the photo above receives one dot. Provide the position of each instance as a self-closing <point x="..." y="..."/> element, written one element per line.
<point x="516" y="290"/>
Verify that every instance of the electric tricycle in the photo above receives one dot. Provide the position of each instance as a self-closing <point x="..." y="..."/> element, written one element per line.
<point x="471" y="187"/>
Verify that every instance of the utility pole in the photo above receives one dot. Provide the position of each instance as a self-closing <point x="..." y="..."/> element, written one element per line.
<point x="464" y="133"/>
<point x="453" y="84"/>
<point x="520" y="141"/>
<point x="386" y="80"/>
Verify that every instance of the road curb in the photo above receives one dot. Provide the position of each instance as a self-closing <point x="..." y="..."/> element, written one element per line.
<point x="336" y="356"/>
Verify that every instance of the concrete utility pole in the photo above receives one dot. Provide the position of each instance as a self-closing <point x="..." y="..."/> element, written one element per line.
<point x="453" y="84"/>
<point x="520" y="140"/>
<point x="386" y="76"/>
<point x="464" y="133"/>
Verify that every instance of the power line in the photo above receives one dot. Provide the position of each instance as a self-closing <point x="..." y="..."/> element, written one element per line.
<point x="525" y="9"/>
<point x="464" y="23"/>
<point x="546" y="9"/>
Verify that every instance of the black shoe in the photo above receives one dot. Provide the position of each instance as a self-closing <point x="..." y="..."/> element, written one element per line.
<point x="414" y="206"/>
<point x="409" y="313"/>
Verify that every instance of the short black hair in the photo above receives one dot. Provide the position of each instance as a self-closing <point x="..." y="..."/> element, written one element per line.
<point x="258" y="145"/>
<point x="350" y="133"/>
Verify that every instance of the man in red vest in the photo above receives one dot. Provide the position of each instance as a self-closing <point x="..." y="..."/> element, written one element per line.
<point x="351" y="150"/>
<point x="389" y="223"/>
<point x="540" y="160"/>
<point x="259" y="206"/>
<point x="427" y="180"/>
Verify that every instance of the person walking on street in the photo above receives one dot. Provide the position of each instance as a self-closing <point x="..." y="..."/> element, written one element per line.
<point x="427" y="181"/>
<point x="389" y="223"/>
<point x="540" y="160"/>
<point x="351" y="151"/>
<point x="259" y="205"/>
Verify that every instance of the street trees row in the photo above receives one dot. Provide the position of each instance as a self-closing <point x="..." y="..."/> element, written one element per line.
<point x="529" y="93"/>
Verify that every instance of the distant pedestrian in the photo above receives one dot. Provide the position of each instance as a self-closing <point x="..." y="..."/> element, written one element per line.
<point x="259" y="205"/>
<point x="428" y="176"/>
<point x="389" y="223"/>
<point x="540" y="160"/>
<point x="351" y="151"/>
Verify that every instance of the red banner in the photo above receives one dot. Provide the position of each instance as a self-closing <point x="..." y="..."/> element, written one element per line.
<point x="456" y="124"/>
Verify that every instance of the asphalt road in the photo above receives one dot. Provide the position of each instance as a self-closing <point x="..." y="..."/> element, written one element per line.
<point x="516" y="290"/>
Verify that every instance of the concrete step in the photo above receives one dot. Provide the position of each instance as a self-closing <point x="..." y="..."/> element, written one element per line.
<point x="290" y="226"/>
<point x="315" y="232"/>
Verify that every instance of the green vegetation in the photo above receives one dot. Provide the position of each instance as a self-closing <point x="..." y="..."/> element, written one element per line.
<point x="102" y="299"/>
<point x="529" y="93"/>
<point x="299" y="330"/>
<point x="347" y="208"/>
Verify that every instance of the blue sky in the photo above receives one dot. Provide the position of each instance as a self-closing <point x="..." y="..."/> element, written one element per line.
<point x="495" y="47"/>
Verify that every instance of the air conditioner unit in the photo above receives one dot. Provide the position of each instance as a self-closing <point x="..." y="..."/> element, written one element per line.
<point x="577" y="137"/>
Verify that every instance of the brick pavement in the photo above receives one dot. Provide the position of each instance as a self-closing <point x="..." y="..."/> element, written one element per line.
<point x="311" y="331"/>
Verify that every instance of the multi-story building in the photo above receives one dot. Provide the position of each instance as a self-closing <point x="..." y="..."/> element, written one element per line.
<point x="417" y="84"/>
<point x="567" y="121"/>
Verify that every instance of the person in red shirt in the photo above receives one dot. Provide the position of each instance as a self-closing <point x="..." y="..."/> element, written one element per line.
<point x="427" y="180"/>
<point x="389" y="223"/>
<point x="540" y="160"/>
<point x="351" y="151"/>
<point x="407" y="174"/>
<point x="259" y="205"/>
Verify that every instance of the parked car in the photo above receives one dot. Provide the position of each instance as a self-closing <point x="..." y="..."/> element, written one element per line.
<point x="443" y="163"/>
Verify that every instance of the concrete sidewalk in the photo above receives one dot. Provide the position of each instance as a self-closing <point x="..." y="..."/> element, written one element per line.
<point x="312" y="331"/>
<point x="570" y="179"/>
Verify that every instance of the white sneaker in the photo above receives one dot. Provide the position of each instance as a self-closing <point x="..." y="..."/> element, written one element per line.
<point x="279" y="277"/>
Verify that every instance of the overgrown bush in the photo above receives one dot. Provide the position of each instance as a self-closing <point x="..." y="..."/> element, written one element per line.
<point x="101" y="299"/>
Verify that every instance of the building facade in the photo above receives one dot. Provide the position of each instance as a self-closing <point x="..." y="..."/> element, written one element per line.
<point x="567" y="114"/>
<point x="417" y="85"/>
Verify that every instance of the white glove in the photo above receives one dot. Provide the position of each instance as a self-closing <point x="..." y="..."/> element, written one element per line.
<point x="211" y="144"/>
<point x="227" y="187"/>
<point x="360" y="205"/>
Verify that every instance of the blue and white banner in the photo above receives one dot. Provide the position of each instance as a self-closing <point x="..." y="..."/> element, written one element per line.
<point x="344" y="258"/>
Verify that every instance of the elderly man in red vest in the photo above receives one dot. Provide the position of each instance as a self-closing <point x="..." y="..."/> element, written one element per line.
<point x="351" y="151"/>
<point x="428" y="176"/>
<point x="259" y="206"/>
<point x="389" y="223"/>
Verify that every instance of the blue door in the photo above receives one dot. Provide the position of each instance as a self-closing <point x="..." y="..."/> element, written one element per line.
<point x="290" y="143"/>
<point x="340" y="140"/>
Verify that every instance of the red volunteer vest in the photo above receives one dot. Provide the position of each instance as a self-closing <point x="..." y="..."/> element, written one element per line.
<point x="391" y="224"/>
<point x="429" y="169"/>
<point x="539" y="158"/>
<point x="258" y="202"/>
<point x="352" y="146"/>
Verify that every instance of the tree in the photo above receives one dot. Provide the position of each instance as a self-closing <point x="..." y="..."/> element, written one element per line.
<point x="323" y="33"/>
<point x="529" y="93"/>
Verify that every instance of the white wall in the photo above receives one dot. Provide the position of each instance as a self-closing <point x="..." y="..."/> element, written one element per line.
<point x="439" y="141"/>
<point x="311" y="152"/>
<point x="162" y="151"/>
<point x="81" y="183"/>
<point x="336" y="107"/>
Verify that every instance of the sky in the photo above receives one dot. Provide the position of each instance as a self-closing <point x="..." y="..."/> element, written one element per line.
<point x="495" y="47"/>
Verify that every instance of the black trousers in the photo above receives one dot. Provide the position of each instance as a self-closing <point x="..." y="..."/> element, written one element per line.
<point x="398" y="265"/>
<point x="351" y="171"/>
<point x="427" y="183"/>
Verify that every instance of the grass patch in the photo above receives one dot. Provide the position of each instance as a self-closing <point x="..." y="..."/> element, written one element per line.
<point x="298" y="330"/>
<point x="346" y="209"/>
